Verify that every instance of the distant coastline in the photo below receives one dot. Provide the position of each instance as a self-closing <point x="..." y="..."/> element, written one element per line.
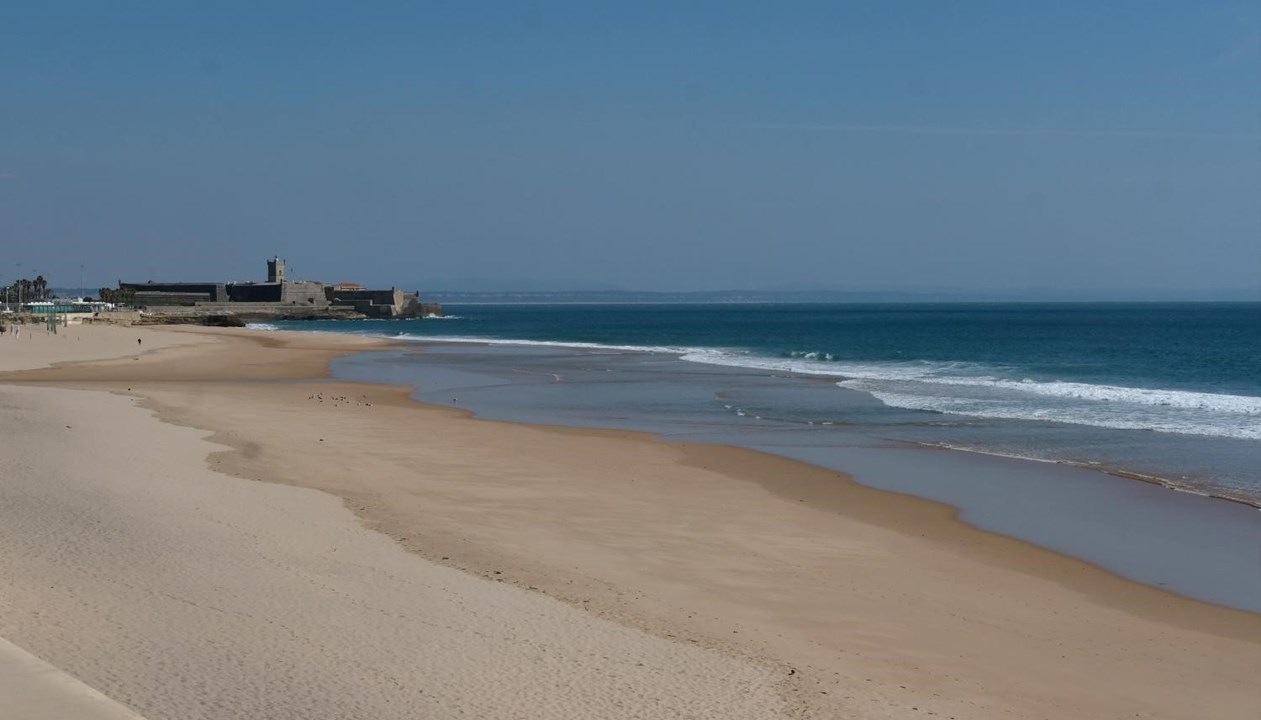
<point x="734" y="297"/>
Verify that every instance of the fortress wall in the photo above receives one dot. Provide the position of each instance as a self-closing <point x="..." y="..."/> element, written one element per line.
<point x="145" y="299"/>
<point x="303" y="293"/>
<point x="176" y="293"/>
<point x="254" y="292"/>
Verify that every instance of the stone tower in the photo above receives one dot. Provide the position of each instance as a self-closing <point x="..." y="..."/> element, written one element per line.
<point x="276" y="270"/>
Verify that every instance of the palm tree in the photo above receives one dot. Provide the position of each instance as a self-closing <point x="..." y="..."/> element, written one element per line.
<point x="41" y="287"/>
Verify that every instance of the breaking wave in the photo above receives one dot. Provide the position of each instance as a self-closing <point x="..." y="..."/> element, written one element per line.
<point x="977" y="390"/>
<point x="1167" y="411"/>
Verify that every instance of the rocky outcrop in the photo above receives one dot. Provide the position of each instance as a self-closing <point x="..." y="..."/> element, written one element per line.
<point x="223" y="314"/>
<point x="425" y="309"/>
<point x="208" y="320"/>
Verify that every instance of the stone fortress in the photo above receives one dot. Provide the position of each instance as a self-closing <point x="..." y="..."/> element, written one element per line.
<point x="276" y="298"/>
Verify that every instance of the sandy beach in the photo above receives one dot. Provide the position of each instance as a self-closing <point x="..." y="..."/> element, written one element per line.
<point x="200" y="525"/>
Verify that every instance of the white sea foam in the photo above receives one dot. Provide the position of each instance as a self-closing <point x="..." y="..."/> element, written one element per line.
<point x="1239" y="404"/>
<point x="260" y="326"/>
<point x="736" y="358"/>
<point x="1121" y="408"/>
<point x="977" y="390"/>
<point x="549" y="343"/>
<point x="818" y="365"/>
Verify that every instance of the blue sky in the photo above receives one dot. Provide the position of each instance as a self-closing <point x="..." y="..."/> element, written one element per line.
<point x="650" y="146"/>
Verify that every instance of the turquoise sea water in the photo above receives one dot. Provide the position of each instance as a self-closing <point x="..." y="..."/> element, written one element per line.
<point x="1171" y="391"/>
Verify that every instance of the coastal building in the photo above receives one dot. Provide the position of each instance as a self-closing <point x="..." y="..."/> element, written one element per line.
<point x="64" y="307"/>
<point x="279" y="296"/>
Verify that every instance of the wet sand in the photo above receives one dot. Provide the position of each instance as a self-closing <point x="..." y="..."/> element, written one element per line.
<point x="1196" y="546"/>
<point x="745" y="583"/>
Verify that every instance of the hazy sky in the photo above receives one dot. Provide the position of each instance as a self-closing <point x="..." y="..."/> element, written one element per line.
<point x="673" y="145"/>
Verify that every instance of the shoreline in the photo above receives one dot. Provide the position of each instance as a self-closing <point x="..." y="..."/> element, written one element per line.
<point x="1109" y="468"/>
<point x="894" y="510"/>
<point x="1145" y="478"/>
<point x="1118" y="536"/>
<point x="708" y="466"/>
<point x="354" y="344"/>
<point x="1170" y="485"/>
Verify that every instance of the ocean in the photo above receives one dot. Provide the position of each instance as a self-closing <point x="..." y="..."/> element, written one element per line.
<point x="1122" y="404"/>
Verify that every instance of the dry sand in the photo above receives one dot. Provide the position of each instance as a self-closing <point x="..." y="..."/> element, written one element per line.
<point x="187" y="594"/>
<point x="32" y="346"/>
<point x="31" y="689"/>
<point x="715" y="582"/>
